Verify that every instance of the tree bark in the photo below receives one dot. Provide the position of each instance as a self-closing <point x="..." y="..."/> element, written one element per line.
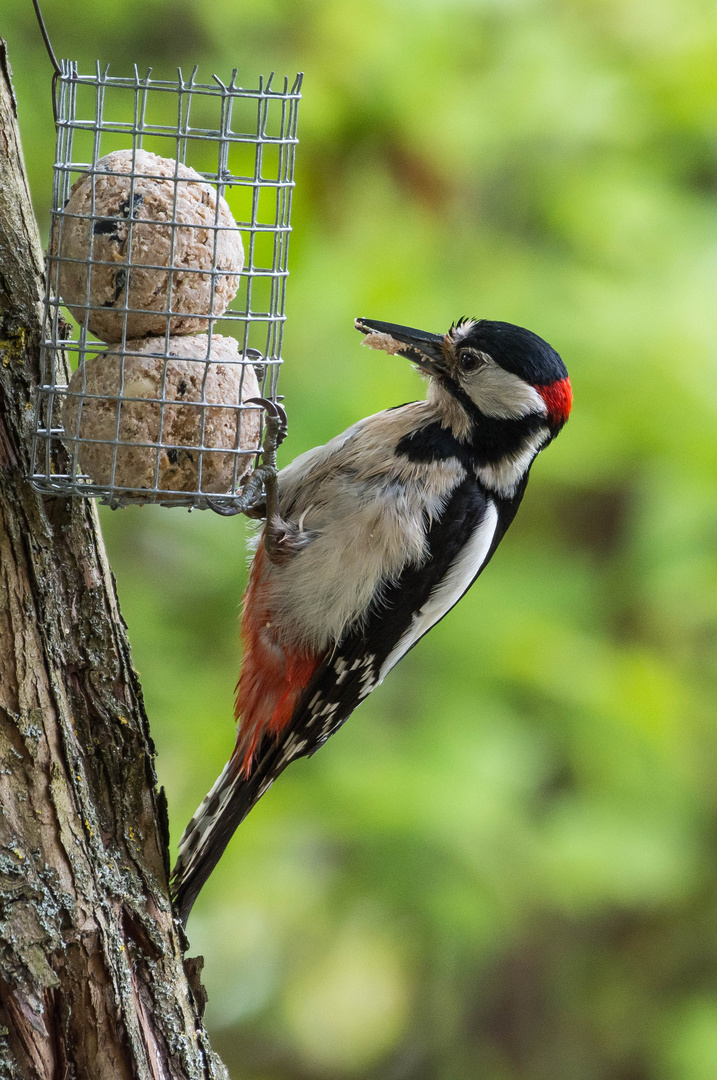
<point x="92" y="983"/>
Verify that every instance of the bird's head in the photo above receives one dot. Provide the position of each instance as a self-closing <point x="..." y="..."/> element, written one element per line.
<point x="493" y="369"/>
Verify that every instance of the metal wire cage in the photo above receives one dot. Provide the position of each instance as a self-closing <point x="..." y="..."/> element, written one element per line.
<point x="169" y="245"/>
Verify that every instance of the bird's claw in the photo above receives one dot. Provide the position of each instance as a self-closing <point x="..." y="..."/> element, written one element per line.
<point x="219" y="508"/>
<point x="261" y="485"/>
<point x="277" y="424"/>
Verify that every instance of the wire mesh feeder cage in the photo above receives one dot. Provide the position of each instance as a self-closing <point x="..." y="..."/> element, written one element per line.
<point x="166" y="285"/>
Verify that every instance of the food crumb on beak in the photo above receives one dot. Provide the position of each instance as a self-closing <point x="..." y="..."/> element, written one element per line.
<point x="388" y="344"/>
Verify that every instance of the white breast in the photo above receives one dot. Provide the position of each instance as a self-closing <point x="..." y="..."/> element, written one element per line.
<point x="459" y="577"/>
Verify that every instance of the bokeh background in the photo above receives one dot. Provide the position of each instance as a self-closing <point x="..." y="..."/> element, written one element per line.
<point x="505" y="866"/>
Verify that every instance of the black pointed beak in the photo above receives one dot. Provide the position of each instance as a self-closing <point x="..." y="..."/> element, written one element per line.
<point x="421" y="348"/>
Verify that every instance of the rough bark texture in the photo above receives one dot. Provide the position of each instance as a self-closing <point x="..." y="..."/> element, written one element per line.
<point x="92" y="984"/>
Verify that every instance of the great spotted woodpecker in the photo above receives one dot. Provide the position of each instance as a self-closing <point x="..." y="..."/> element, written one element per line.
<point x="375" y="537"/>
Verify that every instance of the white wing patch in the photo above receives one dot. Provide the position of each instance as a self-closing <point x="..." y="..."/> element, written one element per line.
<point x="460" y="575"/>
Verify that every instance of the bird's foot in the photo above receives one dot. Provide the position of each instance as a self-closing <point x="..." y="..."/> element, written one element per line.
<point x="259" y="496"/>
<point x="274" y="434"/>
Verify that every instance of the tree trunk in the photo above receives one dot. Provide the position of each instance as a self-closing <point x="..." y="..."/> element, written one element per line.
<point x="92" y="984"/>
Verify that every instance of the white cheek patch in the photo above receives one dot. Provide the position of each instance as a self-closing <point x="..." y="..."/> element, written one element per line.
<point x="501" y="394"/>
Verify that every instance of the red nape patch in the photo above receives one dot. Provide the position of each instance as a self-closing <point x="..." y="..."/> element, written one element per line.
<point x="558" y="397"/>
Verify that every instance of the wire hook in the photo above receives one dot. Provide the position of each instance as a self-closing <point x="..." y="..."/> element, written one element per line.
<point x="50" y="53"/>
<point x="46" y="38"/>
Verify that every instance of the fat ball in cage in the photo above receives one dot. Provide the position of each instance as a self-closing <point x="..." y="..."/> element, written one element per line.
<point x="169" y="245"/>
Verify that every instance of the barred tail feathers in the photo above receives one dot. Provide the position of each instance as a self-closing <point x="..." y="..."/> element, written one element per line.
<point x="205" y="838"/>
<point x="222" y="811"/>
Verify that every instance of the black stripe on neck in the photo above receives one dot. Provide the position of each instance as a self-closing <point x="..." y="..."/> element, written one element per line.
<point x="434" y="443"/>
<point x="492" y="440"/>
<point x="495" y="437"/>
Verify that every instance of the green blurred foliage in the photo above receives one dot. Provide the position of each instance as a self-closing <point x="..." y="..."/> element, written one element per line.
<point x="505" y="865"/>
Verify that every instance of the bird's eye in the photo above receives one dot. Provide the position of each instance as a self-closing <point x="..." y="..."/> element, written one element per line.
<point x="470" y="360"/>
